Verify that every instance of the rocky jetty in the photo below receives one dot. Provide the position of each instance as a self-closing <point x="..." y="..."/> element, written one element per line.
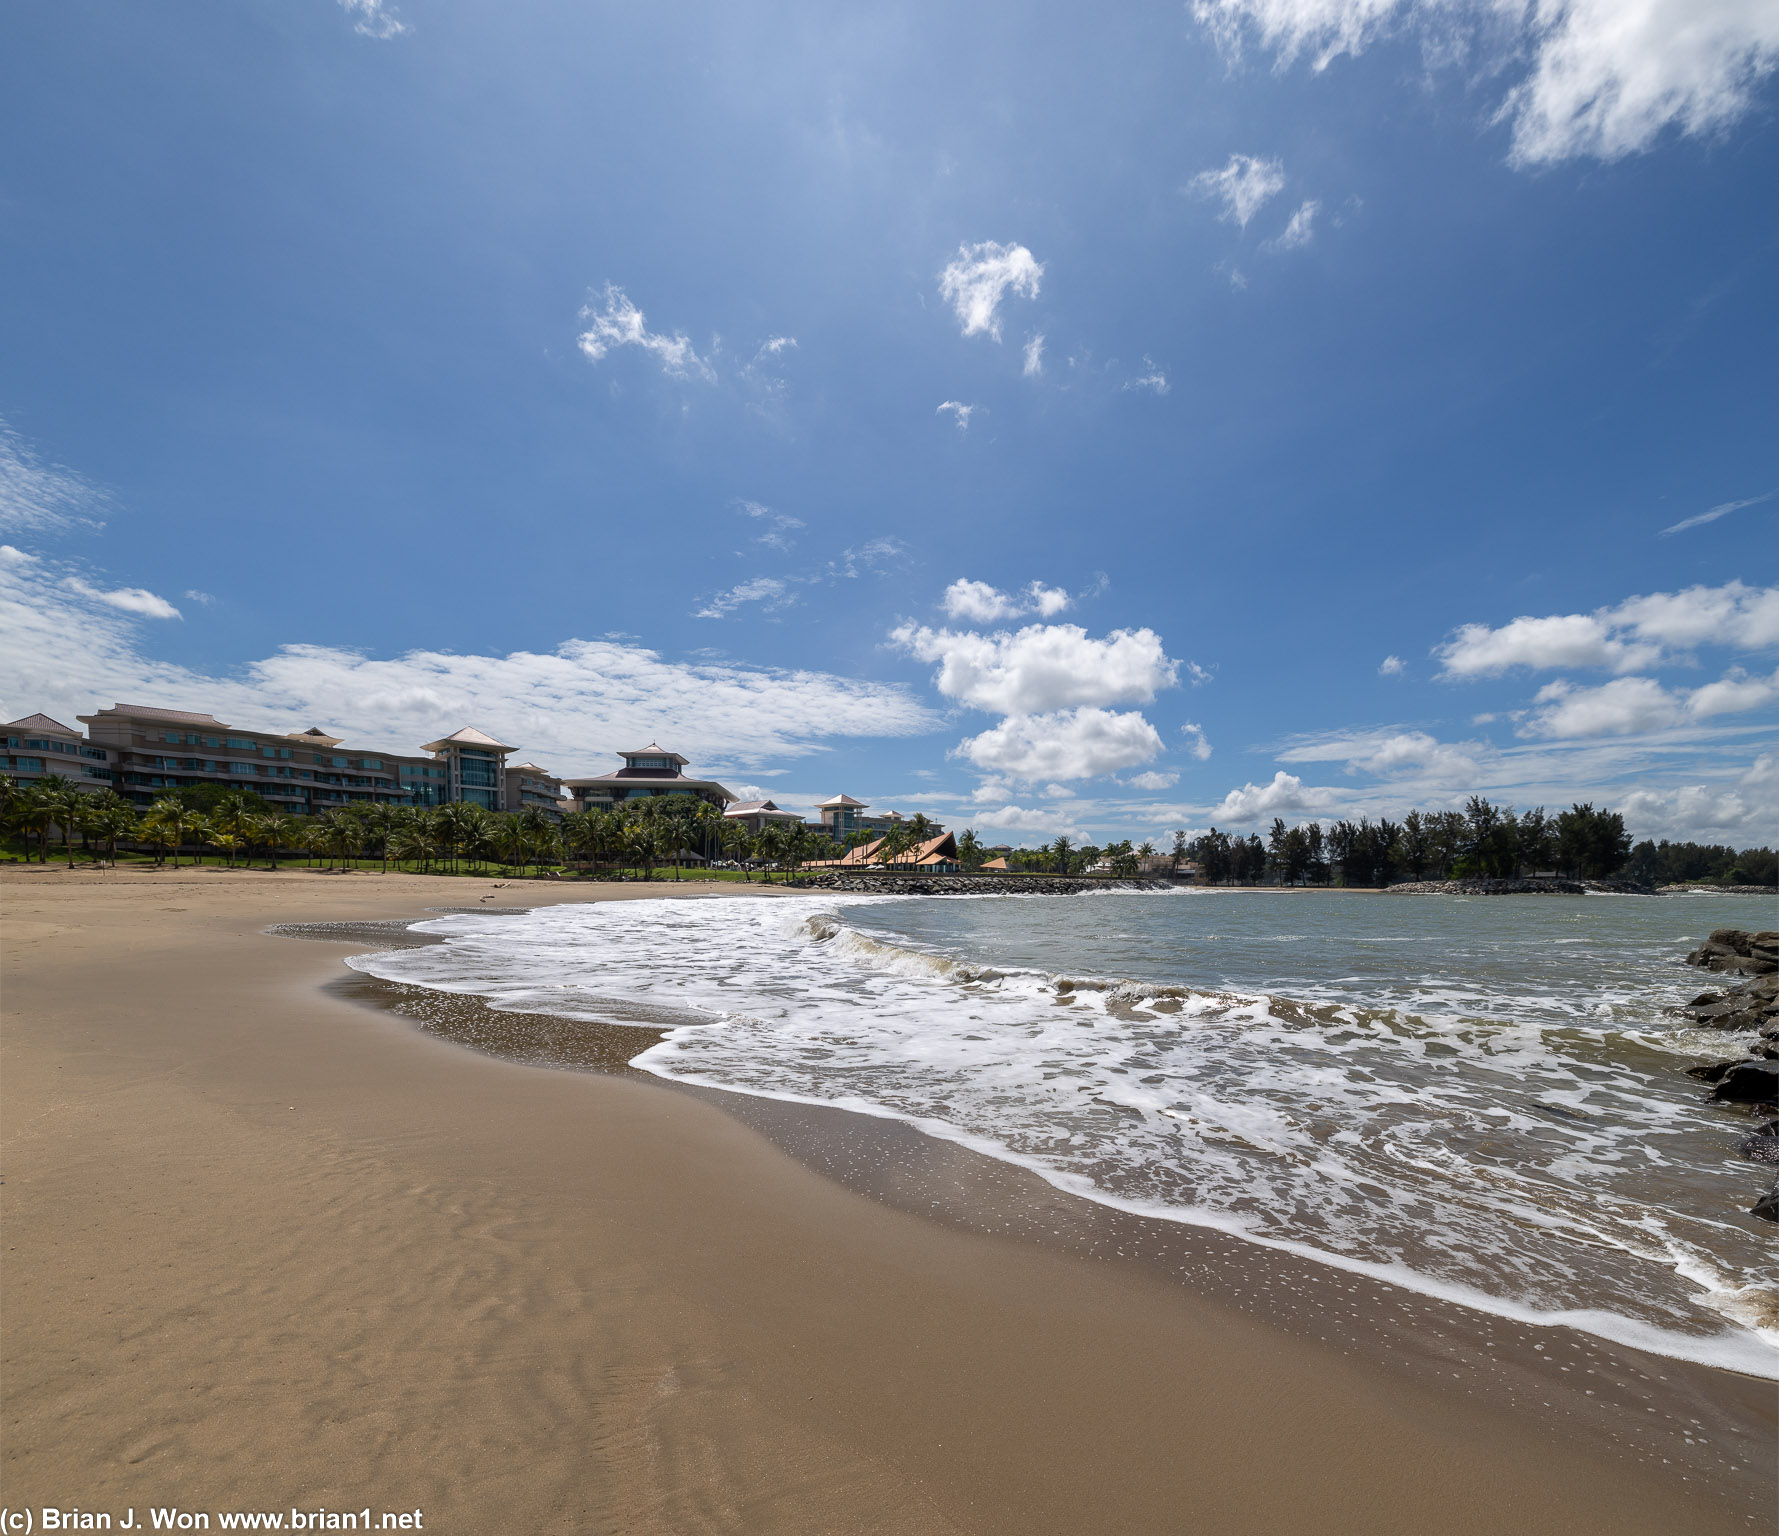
<point x="1751" y="1080"/>
<point x="971" y="885"/>
<point x="1551" y="887"/>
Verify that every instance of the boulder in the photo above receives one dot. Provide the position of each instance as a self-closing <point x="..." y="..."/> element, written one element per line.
<point x="1767" y="1207"/>
<point x="1748" y="1082"/>
<point x="1712" y="1072"/>
<point x="1761" y="1146"/>
<point x="1735" y="949"/>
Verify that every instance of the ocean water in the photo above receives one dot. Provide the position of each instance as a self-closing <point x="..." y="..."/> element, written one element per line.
<point x="1480" y="1099"/>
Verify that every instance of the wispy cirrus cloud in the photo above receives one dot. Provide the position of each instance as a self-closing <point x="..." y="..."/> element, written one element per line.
<point x="1299" y="231"/>
<point x="979" y="277"/>
<point x="1244" y="186"/>
<point x="1604" y="80"/>
<point x="43" y="498"/>
<point x="960" y="413"/>
<point x="614" y="321"/>
<point x="1722" y="509"/>
<point x="374" y="18"/>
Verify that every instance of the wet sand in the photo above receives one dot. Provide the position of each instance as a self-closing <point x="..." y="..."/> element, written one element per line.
<point x="266" y="1247"/>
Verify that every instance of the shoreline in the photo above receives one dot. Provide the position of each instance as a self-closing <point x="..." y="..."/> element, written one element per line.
<point x="1053" y="1419"/>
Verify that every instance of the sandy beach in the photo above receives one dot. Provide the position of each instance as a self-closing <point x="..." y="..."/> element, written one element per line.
<point x="268" y="1248"/>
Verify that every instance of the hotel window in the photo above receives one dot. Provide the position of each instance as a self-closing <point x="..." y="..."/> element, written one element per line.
<point x="238" y="744"/>
<point x="29" y="764"/>
<point x="97" y="752"/>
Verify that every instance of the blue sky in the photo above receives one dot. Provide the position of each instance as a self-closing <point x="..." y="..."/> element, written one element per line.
<point x="1055" y="421"/>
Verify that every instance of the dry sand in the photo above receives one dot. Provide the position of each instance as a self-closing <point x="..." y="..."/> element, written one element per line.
<point x="264" y="1248"/>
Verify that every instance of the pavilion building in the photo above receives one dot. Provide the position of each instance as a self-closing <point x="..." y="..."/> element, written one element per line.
<point x="757" y="815"/>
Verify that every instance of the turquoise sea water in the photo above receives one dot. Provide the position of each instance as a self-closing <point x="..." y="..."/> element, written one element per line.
<point x="1479" y="1098"/>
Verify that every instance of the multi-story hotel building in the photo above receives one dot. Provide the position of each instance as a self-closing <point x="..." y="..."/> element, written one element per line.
<point x="304" y="772"/>
<point x="842" y="816"/>
<point x="528" y="786"/>
<point x="39" y="748"/>
<point x="653" y="770"/>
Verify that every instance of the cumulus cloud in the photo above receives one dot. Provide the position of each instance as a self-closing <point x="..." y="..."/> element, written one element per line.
<point x="41" y="498"/>
<point x="1042" y="667"/>
<point x="1627" y="705"/>
<point x="371" y="18"/>
<point x="1391" y="666"/>
<point x="130" y="599"/>
<point x="1200" y="747"/>
<point x="1065" y="744"/>
<point x="616" y="322"/>
<point x="768" y="590"/>
<point x="1606" y="77"/>
<point x="1636" y="634"/>
<point x="1244" y="186"/>
<point x="976" y="602"/>
<point x="1034" y="355"/>
<point x="976" y="280"/>
<point x="1286" y="795"/>
<point x="1722" y="509"/>
<point x="572" y="706"/>
<point x="1738" y="813"/>
<point x="1300" y="231"/>
<point x="960" y="412"/>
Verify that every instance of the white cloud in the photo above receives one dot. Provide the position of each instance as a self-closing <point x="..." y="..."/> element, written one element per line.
<point x="773" y="345"/>
<point x="1153" y="780"/>
<point x="570" y="707"/>
<point x="1013" y="818"/>
<point x="1034" y="355"/>
<point x="1042" y="667"/>
<point x="1606" y="76"/>
<point x="1066" y="744"/>
<point x="1200" y="748"/>
<point x="619" y="323"/>
<point x="1635" y="634"/>
<point x="1744" y="813"/>
<point x="979" y="276"/>
<point x="371" y="19"/>
<point x="1300" y="231"/>
<point x="1393" y="752"/>
<point x="129" y="599"/>
<point x="979" y="603"/>
<point x="41" y="498"/>
<point x="959" y="411"/>
<point x="1287" y="795"/>
<point x="1722" y="509"/>
<point x="775" y="594"/>
<point x="1391" y="666"/>
<point x="1633" y="704"/>
<point x="1244" y="186"/>
<point x="202" y="599"/>
<point x="778" y="528"/>
<point x="1154" y="379"/>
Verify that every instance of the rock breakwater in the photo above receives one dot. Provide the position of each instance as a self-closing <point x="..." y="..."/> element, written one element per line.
<point x="972" y="885"/>
<point x="1552" y="887"/>
<point x="1750" y="1080"/>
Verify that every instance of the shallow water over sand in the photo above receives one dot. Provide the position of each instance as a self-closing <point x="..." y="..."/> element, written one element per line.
<point x="1477" y="1099"/>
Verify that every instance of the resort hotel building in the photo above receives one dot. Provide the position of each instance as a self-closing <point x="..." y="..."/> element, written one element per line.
<point x="39" y="748"/>
<point x="651" y="770"/>
<point x="145" y="750"/>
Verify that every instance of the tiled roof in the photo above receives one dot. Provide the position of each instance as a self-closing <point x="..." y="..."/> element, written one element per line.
<point x="40" y="723"/>
<point x="180" y="716"/>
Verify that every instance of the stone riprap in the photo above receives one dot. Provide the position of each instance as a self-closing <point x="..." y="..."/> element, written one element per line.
<point x="973" y="885"/>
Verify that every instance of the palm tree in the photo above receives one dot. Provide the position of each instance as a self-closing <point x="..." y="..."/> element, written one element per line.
<point x="412" y="841"/>
<point x="732" y="838"/>
<point x="381" y="820"/>
<point x="969" y="850"/>
<point x="173" y="821"/>
<point x="277" y="828"/>
<point x="159" y="836"/>
<point x="539" y="830"/>
<point x="234" y="814"/>
<point x="511" y="839"/>
<point x="113" y="817"/>
<point x="35" y="812"/>
<point x="340" y="835"/>
<point x="68" y="808"/>
<point x="1061" y="850"/>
